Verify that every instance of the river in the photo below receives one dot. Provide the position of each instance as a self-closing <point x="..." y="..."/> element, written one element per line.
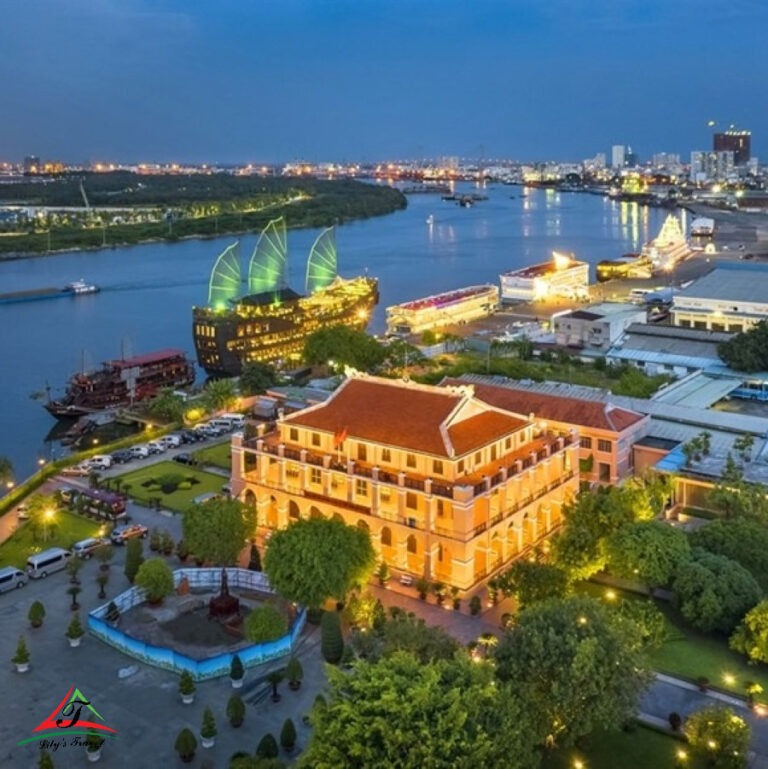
<point x="148" y="291"/>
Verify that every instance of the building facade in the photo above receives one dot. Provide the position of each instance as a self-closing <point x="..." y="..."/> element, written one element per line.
<point x="449" y="487"/>
<point x="737" y="142"/>
<point x="597" y="326"/>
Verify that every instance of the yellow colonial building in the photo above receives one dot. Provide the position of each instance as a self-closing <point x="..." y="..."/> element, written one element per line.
<point x="448" y="486"/>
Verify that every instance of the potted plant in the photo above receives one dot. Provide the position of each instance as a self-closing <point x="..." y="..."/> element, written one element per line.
<point x="236" y="672"/>
<point x="288" y="736"/>
<point x="166" y="542"/>
<point x="36" y="614"/>
<point x="187" y="687"/>
<point x="422" y="588"/>
<point x="455" y="598"/>
<point x="73" y="567"/>
<point x="93" y="745"/>
<point x="274" y="679"/>
<point x="208" y="729"/>
<point x="383" y="573"/>
<point x="186" y="745"/>
<point x="45" y="761"/>
<point x="267" y="747"/>
<point x="182" y="551"/>
<point x="703" y="683"/>
<point x="236" y="710"/>
<point x="475" y="605"/>
<point x="675" y="721"/>
<point x="104" y="554"/>
<point x="101" y="580"/>
<point x="21" y="658"/>
<point x="112" y="615"/>
<point x="75" y="631"/>
<point x="294" y="672"/>
<point x="74" y="591"/>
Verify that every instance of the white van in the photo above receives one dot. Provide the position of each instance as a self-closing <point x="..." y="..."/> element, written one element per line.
<point x="11" y="578"/>
<point x="42" y="564"/>
<point x="100" y="462"/>
<point x="220" y="423"/>
<point x="172" y="441"/>
<point x="237" y="421"/>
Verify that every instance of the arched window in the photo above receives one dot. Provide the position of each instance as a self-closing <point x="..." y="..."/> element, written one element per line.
<point x="412" y="544"/>
<point x="293" y="510"/>
<point x="386" y="536"/>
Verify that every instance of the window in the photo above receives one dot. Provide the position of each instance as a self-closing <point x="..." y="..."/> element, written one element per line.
<point x="440" y="508"/>
<point x="411" y="500"/>
<point x="315" y="476"/>
<point x="410" y="460"/>
<point x="479" y="458"/>
<point x="586" y="443"/>
<point x="603" y="445"/>
<point x="385" y="494"/>
<point x="507" y="444"/>
<point x="437" y="467"/>
<point x="361" y="487"/>
<point x="386" y="455"/>
<point x="362" y="452"/>
<point x="293" y="434"/>
<point x="460" y="466"/>
<point x="315" y="439"/>
<point x="292" y="471"/>
<point x="493" y="453"/>
<point x="604" y="472"/>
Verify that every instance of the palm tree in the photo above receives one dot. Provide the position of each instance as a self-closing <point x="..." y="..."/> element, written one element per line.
<point x="167" y="406"/>
<point x="220" y="394"/>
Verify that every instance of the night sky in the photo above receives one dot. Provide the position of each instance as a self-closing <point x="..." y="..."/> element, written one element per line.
<point x="278" y="80"/>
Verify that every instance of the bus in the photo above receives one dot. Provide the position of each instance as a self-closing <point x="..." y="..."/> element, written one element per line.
<point x="104" y="504"/>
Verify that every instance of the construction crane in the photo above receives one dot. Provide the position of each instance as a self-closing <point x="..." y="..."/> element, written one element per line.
<point x="85" y="199"/>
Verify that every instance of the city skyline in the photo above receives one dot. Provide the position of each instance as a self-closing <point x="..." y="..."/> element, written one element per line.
<point x="272" y="82"/>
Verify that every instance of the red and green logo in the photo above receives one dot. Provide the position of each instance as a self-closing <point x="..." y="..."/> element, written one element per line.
<point x="74" y="715"/>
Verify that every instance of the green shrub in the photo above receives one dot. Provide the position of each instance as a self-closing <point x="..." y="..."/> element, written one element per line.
<point x="288" y="736"/>
<point x="265" y="624"/>
<point x="186" y="744"/>
<point x="236" y="710"/>
<point x="36" y="614"/>
<point x="331" y="639"/>
<point x="267" y="747"/>
<point x="156" y="579"/>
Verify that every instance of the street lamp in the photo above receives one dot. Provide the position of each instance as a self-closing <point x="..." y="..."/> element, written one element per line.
<point x="47" y="518"/>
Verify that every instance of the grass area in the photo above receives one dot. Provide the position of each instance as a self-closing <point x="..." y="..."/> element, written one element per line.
<point x="641" y="748"/>
<point x="690" y="654"/>
<point x="135" y="484"/>
<point x="70" y="528"/>
<point x="218" y="456"/>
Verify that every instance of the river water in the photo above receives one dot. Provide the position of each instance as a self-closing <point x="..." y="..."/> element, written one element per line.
<point x="148" y="291"/>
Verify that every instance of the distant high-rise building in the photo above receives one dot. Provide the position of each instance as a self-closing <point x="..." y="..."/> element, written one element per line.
<point x="31" y="164"/>
<point x="630" y="158"/>
<point x="618" y="153"/>
<point x="712" y="166"/>
<point x="737" y="142"/>
<point x="665" y="160"/>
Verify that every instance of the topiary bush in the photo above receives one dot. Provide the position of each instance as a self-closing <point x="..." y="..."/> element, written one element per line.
<point x="331" y="639"/>
<point x="267" y="747"/>
<point x="288" y="736"/>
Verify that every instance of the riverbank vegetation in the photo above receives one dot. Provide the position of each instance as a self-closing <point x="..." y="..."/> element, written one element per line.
<point x="126" y="208"/>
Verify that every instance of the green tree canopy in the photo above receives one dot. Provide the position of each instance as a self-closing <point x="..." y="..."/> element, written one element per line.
<point x="216" y="531"/>
<point x="399" y="713"/>
<point x="265" y="624"/>
<point x="742" y="540"/>
<point x="575" y="666"/>
<point x="316" y="559"/>
<point x="155" y="578"/>
<point x="532" y="582"/>
<point x="168" y="406"/>
<point x="751" y="636"/>
<point x="220" y="394"/>
<point x="747" y="351"/>
<point x="345" y="347"/>
<point x="648" y="551"/>
<point x="719" y="737"/>
<point x="256" y="377"/>
<point x="713" y="592"/>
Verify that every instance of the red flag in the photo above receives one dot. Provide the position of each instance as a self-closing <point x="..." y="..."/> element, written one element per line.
<point x="339" y="437"/>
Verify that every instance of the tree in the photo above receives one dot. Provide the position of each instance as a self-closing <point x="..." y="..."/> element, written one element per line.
<point x="646" y="626"/>
<point x="267" y="747"/>
<point x="236" y="710"/>
<point x="208" y="727"/>
<point x="719" y="737"/>
<point x="36" y="614"/>
<point x="256" y="378"/>
<point x="6" y="471"/>
<point x="743" y="540"/>
<point x="42" y="517"/>
<point x="185" y="745"/>
<point x="649" y="551"/>
<point x="747" y="351"/>
<point x="575" y="667"/>
<point x="288" y="736"/>
<point x="215" y="530"/>
<point x="318" y="558"/>
<point x="399" y="713"/>
<point x="404" y="632"/>
<point x="167" y="406"/>
<point x="751" y="637"/>
<point x="219" y="394"/>
<point x="265" y="624"/>
<point x="344" y="346"/>
<point x="236" y="668"/>
<point x="331" y="639"/>
<point x="134" y="558"/>
<point x="713" y="592"/>
<point x="532" y="582"/>
<point x="156" y="579"/>
<point x="254" y="560"/>
<point x="45" y="761"/>
<point x="743" y="444"/>
<point x="75" y="628"/>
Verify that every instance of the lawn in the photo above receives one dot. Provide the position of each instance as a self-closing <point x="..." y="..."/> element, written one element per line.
<point x="141" y="485"/>
<point x="690" y="654"/>
<point x="639" y="749"/>
<point x="218" y="456"/>
<point x="70" y="528"/>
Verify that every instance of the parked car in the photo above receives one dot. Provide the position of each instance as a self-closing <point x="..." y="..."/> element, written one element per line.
<point x="98" y="463"/>
<point x="82" y="469"/>
<point x="139" y="452"/>
<point x="85" y="547"/>
<point x="185" y="459"/>
<point x="190" y="436"/>
<point x="122" y="533"/>
<point x="121" y="456"/>
<point x="156" y="447"/>
<point x="172" y="441"/>
<point x="22" y="512"/>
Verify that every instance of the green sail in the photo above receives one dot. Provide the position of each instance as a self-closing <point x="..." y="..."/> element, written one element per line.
<point x="225" y="278"/>
<point x="322" y="262"/>
<point x="266" y="271"/>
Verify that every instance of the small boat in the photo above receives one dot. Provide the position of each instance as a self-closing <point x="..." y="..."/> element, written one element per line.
<point x="79" y="287"/>
<point x="431" y="219"/>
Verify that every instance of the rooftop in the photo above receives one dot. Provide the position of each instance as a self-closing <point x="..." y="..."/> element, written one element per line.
<point x="739" y="282"/>
<point x="543" y="268"/>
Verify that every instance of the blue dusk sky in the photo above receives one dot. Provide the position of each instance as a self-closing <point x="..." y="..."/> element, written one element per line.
<point x="277" y="80"/>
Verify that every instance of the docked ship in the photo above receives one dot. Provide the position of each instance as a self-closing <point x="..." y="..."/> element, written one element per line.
<point x="76" y="288"/>
<point x="668" y="248"/>
<point x="442" y="310"/>
<point x="270" y="322"/>
<point x="565" y="276"/>
<point x="627" y="266"/>
<point x="123" y="382"/>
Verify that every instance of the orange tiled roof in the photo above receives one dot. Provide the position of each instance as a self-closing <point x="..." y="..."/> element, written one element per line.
<point x="558" y="408"/>
<point x="408" y="417"/>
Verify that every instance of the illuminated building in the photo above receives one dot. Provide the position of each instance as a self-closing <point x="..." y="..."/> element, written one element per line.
<point x="669" y="247"/>
<point x="271" y="322"/>
<point x="448" y="486"/>
<point x="564" y="276"/>
<point x="442" y="309"/>
<point x="737" y="142"/>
